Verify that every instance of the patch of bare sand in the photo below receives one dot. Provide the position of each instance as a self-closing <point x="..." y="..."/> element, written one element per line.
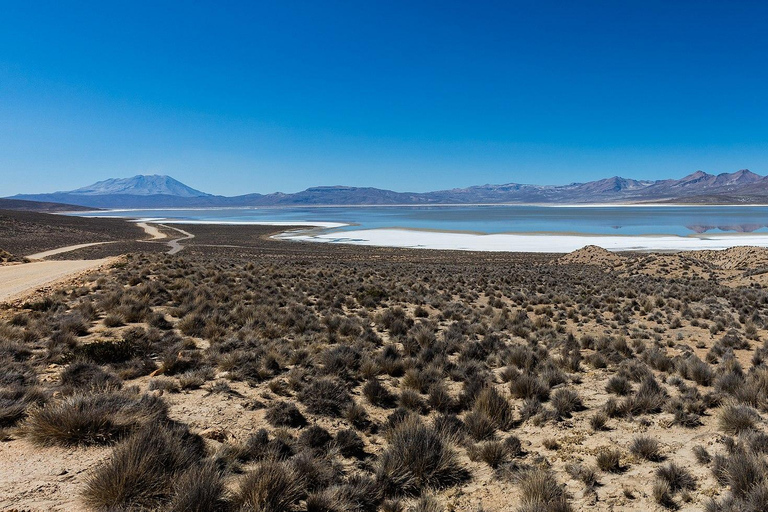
<point x="42" y="480"/>
<point x="18" y="280"/>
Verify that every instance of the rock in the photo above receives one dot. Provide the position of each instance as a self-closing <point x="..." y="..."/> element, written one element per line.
<point x="216" y="434"/>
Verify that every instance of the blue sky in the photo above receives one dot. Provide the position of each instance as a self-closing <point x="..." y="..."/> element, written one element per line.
<point x="237" y="97"/>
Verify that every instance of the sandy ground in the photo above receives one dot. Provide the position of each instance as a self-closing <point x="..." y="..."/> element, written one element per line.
<point x="49" y="479"/>
<point x="17" y="280"/>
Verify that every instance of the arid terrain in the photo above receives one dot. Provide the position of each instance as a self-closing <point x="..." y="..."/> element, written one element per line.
<point x="249" y="374"/>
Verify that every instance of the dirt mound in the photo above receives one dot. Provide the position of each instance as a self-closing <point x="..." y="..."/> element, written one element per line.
<point x="735" y="258"/>
<point x="591" y="255"/>
<point x="6" y="257"/>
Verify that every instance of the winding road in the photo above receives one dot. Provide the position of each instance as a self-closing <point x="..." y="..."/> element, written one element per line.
<point x="18" y="280"/>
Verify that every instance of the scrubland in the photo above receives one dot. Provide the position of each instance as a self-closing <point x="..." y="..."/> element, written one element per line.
<point x="338" y="379"/>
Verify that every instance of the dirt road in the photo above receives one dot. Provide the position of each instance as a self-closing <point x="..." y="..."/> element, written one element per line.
<point x="17" y="280"/>
<point x="45" y="254"/>
<point x="152" y="231"/>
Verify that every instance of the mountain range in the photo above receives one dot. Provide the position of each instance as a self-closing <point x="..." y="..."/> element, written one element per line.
<point x="155" y="191"/>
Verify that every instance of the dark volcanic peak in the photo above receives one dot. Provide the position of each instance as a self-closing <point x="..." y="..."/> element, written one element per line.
<point x="141" y="185"/>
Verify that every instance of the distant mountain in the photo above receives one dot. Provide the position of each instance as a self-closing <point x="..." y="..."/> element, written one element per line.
<point x="742" y="187"/>
<point x="151" y="185"/>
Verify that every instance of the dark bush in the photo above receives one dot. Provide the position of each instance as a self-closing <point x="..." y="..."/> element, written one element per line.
<point x="92" y="419"/>
<point x="646" y="448"/>
<point x="540" y="492"/>
<point x="270" y="487"/>
<point x="379" y="395"/>
<point x="142" y="471"/>
<point x="325" y="396"/>
<point x="417" y="458"/>
<point x="285" y="414"/>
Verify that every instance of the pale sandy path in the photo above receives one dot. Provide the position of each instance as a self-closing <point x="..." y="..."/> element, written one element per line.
<point x="45" y="254"/>
<point x="174" y="244"/>
<point x="152" y="231"/>
<point x="17" y="280"/>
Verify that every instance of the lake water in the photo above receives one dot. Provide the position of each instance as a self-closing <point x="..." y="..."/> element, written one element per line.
<point x="602" y="220"/>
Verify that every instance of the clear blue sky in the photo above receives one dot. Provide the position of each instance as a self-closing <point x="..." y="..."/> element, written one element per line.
<point x="236" y="97"/>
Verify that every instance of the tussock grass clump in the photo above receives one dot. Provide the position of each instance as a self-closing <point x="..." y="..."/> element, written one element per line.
<point x="587" y="475"/>
<point x="270" y="487"/>
<point x="609" y="460"/>
<point x="357" y="493"/>
<point x="565" y="402"/>
<point x="598" y="421"/>
<point x="379" y="395"/>
<point x="527" y="385"/>
<point x="112" y="352"/>
<point x="285" y="414"/>
<point x="735" y="418"/>
<point x="495" y="407"/>
<point x="540" y="492"/>
<point x="677" y="477"/>
<point x="315" y="437"/>
<point x="479" y="426"/>
<point x="411" y="400"/>
<point x="646" y="448"/>
<point x="618" y="385"/>
<point x="83" y="376"/>
<point x="350" y="444"/>
<point x="426" y="504"/>
<point x="325" y="396"/>
<point x="701" y="454"/>
<point x="649" y="398"/>
<point x="493" y="453"/>
<point x="200" y="489"/>
<point x="16" y="400"/>
<point x="417" y="458"/>
<point x="143" y="470"/>
<point x="92" y="419"/>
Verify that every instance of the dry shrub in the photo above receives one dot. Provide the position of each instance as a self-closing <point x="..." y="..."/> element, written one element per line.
<point x="418" y="458"/>
<point x="325" y="396"/>
<point x="495" y="407"/>
<point x="143" y="470"/>
<point x="270" y="487"/>
<point x="201" y="489"/>
<point x="285" y="414"/>
<point x="92" y="419"/>
<point x="646" y="448"/>
<point x="378" y="395"/>
<point x="609" y="459"/>
<point x="735" y="418"/>
<point x="540" y="492"/>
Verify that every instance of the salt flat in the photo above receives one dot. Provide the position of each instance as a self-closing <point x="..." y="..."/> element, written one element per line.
<point x="554" y="243"/>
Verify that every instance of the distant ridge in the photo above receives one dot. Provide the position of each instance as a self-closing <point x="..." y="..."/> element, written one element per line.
<point x="741" y="187"/>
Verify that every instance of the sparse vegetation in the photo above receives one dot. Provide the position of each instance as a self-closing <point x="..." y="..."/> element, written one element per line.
<point x="370" y="383"/>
